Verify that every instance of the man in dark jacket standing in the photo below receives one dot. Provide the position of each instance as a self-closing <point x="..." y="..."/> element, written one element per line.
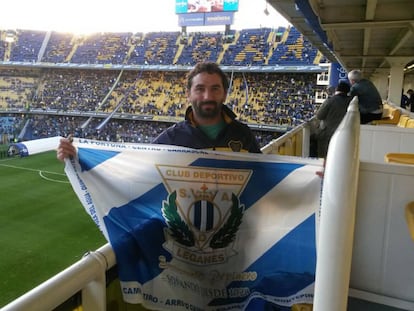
<point x="331" y="113"/>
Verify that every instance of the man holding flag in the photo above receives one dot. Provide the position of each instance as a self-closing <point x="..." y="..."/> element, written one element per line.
<point x="196" y="230"/>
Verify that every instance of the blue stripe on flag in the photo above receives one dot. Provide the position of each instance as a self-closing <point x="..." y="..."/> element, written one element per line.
<point x="89" y="158"/>
<point x="295" y="258"/>
<point x="138" y="249"/>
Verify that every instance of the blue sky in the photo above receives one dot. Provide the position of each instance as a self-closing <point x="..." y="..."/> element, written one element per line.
<point x="84" y="16"/>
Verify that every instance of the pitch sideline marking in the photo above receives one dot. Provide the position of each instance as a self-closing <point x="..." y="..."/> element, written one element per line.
<point x="41" y="173"/>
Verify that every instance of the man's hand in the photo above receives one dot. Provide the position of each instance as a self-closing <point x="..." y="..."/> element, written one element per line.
<point x="65" y="149"/>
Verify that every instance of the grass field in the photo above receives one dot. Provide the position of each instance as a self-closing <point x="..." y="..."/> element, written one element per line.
<point x="43" y="227"/>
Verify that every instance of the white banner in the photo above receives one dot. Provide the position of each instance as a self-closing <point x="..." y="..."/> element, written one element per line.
<point x="198" y="230"/>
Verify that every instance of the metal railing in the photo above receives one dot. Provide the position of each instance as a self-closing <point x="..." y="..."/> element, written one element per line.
<point x="87" y="275"/>
<point x="296" y="142"/>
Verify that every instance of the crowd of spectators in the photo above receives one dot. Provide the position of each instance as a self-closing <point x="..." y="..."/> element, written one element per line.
<point x="245" y="47"/>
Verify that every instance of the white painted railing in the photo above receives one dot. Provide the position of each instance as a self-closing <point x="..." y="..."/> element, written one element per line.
<point x="296" y="142"/>
<point x="86" y="275"/>
<point x="337" y="215"/>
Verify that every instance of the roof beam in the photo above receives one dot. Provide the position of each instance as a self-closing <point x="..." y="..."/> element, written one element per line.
<point x="367" y="24"/>
<point x="367" y="40"/>
<point x="400" y="40"/>
<point x="370" y="9"/>
<point x="370" y="57"/>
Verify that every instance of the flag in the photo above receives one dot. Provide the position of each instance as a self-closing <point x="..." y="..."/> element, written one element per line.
<point x="200" y="230"/>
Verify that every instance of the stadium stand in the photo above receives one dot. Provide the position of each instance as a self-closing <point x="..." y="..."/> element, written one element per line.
<point x="58" y="48"/>
<point x="156" y="48"/>
<point x="199" y="47"/>
<point x="251" y="48"/>
<point x="27" y="46"/>
<point x="106" y="48"/>
<point x="295" y="50"/>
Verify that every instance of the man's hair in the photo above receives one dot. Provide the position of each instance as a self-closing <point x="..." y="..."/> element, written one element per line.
<point x="355" y="75"/>
<point x="210" y="68"/>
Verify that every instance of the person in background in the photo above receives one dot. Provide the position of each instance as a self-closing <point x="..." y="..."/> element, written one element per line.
<point x="404" y="100"/>
<point x="369" y="99"/>
<point x="330" y="114"/>
<point x="410" y="93"/>
<point x="209" y="123"/>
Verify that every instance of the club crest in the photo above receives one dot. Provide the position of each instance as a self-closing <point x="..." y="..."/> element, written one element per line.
<point x="203" y="212"/>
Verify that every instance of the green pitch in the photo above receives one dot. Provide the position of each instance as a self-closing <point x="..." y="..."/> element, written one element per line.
<point x="43" y="227"/>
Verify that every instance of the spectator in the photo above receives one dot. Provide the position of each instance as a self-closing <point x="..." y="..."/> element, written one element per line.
<point x="404" y="100"/>
<point x="330" y="114"/>
<point x="410" y="93"/>
<point x="209" y="124"/>
<point x="369" y="99"/>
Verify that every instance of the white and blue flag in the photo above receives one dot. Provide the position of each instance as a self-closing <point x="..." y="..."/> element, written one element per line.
<point x="200" y="230"/>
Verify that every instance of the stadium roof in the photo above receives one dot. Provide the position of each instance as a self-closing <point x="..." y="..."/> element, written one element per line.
<point x="359" y="34"/>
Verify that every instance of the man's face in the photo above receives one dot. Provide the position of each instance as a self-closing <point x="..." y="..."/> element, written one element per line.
<point x="207" y="95"/>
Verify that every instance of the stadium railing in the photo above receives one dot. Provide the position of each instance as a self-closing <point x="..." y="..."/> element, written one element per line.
<point x="295" y="142"/>
<point x="86" y="276"/>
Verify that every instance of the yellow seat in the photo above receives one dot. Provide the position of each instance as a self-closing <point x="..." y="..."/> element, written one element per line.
<point x="410" y="124"/>
<point x="409" y="217"/>
<point x="402" y="158"/>
<point x="392" y="117"/>
<point x="403" y="121"/>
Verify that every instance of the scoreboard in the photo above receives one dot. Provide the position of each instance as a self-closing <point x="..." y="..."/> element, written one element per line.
<point x="205" y="6"/>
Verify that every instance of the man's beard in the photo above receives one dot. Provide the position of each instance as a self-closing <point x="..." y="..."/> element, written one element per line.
<point x="209" y="113"/>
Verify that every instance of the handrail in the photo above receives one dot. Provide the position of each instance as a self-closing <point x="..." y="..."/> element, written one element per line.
<point x="88" y="275"/>
<point x="302" y="131"/>
<point x="337" y="215"/>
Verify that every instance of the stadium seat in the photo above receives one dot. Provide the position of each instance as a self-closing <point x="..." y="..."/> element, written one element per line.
<point x="410" y="124"/>
<point x="409" y="217"/>
<point x="403" y="121"/>
<point x="401" y="158"/>
<point x="390" y="117"/>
